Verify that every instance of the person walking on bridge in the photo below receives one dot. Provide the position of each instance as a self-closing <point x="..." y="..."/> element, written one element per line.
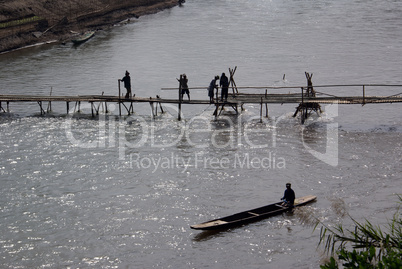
<point x="127" y="84"/>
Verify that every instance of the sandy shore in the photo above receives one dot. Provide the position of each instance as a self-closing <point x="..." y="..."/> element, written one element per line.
<point x="28" y="22"/>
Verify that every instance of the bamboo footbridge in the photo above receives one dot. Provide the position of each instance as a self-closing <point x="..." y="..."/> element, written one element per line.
<point x="308" y="99"/>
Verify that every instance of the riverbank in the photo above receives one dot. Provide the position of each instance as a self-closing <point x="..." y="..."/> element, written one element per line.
<point x="25" y="22"/>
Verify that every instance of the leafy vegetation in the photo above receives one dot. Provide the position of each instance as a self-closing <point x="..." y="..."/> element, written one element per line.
<point x="371" y="246"/>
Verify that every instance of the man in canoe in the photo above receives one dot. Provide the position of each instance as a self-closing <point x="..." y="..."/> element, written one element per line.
<point x="127" y="84"/>
<point x="289" y="196"/>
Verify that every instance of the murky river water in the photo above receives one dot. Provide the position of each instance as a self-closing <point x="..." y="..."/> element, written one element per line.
<point x="110" y="192"/>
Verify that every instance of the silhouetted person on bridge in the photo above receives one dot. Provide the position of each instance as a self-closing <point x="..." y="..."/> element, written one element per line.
<point x="224" y="82"/>
<point x="184" y="86"/>
<point x="211" y="88"/>
<point x="127" y="84"/>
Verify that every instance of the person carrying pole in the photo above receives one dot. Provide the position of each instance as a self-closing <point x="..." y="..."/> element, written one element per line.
<point x="127" y="84"/>
<point x="184" y="86"/>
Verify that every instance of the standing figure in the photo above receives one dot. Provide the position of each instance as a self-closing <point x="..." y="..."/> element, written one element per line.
<point x="211" y="88"/>
<point x="184" y="87"/>
<point x="289" y="196"/>
<point x="224" y="83"/>
<point x="127" y="84"/>
<point x="310" y="89"/>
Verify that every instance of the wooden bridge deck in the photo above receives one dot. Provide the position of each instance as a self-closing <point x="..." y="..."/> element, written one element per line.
<point x="306" y="103"/>
<point x="233" y="99"/>
<point x="297" y="99"/>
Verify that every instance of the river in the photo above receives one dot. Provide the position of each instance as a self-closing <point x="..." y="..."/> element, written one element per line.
<point x="121" y="192"/>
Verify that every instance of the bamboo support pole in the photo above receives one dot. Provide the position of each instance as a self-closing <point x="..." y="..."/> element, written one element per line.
<point x="160" y="105"/>
<point x="302" y="109"/>
<point x="92" y="109"/>
<point x="41" y="108"/>
<point x="261" y="111"/>
<point x="2" y="108"/>
<point x="152" y="110"/>
<point x="364" y="96"/>
<point x="180" y="99"/>
<point x="231" y="80"/>
<point x="49" y="105"/>
<point x="118" y="82"/>
<point x="129" y="109"/>
<point x="216" y="109"/>
<point x="100" y="103"/>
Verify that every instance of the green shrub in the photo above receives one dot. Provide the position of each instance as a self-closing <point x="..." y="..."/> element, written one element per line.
<point x="372" y="248"/>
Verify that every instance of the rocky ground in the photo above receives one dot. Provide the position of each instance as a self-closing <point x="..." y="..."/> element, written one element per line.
<point x="27" y="22"/>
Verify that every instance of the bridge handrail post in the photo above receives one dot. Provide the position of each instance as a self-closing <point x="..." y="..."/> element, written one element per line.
<point x="118" y="83"/>
<point x="364" y="95"/>
<point x="180" y="98"/>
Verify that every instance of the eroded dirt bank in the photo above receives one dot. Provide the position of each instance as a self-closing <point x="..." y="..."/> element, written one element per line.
<point x="27" y="22"/>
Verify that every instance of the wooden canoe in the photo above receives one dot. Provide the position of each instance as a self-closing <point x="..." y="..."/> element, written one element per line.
<point x="84" y="37"/>
<point x="251" y="215"/>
